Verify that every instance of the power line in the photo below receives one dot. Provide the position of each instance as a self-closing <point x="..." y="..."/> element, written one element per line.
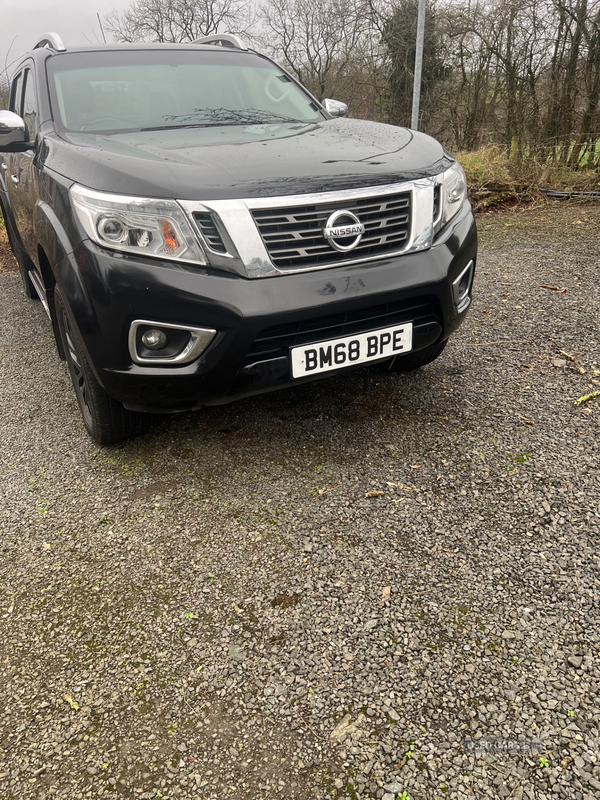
<point x="101" y="28"/>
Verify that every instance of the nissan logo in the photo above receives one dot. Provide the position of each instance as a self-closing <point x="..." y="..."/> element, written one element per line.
<point x="345" y="226"/>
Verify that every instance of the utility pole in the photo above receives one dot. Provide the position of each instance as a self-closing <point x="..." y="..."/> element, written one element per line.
<point x="414" y="124"/>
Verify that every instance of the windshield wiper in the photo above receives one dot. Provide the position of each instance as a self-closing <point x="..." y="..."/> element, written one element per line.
<point x="175" y="127"/>
<point x="205" y="117"/>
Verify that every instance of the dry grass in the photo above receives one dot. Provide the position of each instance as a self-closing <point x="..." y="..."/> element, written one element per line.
<point x="7" y="260"/>
<point x="494" y="179"/>
<point x="488" y="165"/>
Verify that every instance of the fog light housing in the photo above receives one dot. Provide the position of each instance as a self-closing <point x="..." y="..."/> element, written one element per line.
<point x="163" y="343"/>
<point x="461" y="288"/>
<point x="154" y="339"/>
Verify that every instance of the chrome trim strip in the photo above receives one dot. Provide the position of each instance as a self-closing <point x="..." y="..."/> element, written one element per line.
<point x="422" y="216"/>
<point x="39" y="288"/>
<point x="329" y="197"/>
<point x="200" y="338"/>
<point x="252" y="258"/>
<point x="464" y="305"/>
<point x="462" y="301"/>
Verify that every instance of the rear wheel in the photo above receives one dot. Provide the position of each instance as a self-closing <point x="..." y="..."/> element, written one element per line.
<point x="106" y="420"/>
<point x="411" y="361"/>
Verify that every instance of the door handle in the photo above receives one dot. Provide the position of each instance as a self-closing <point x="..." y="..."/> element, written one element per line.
<point x="14" y="178"/>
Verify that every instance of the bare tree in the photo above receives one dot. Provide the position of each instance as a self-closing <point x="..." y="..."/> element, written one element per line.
<point x="398" y="34"/>
<point x="4" y="78"/>
<point x="524" y="74"/>
<point x="317" y="39"/>
<point x="178" y="20"/>
<point x="4" y="91"/>
<point x="590" y="122"/>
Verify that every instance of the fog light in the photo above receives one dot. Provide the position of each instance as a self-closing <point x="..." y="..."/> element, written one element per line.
<point x="167" y="344"/>
<point x="154" y="339"/>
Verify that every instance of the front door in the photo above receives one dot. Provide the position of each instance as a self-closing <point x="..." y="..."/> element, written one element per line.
<point x="6" y="159"/>
<point x="20" y="167"/>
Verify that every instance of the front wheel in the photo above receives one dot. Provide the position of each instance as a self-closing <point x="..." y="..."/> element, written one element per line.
<point x="411" y="361"/>
<point x="106" y="420"/>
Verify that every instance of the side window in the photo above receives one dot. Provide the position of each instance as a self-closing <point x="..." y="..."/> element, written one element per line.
<point x="15" y="95"/>
<point x="30" y="105"/>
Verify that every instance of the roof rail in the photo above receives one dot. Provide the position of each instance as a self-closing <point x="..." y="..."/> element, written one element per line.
<point x="53" y="42"/>
<point x="223" y="39"/>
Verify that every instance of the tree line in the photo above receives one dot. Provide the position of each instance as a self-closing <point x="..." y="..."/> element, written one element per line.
<point x="523" y="74"/>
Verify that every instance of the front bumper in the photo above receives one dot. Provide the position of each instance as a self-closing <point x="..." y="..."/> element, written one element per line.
<point x="256" y="320"/>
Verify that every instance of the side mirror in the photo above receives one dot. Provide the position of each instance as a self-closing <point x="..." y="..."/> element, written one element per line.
<point x="335" y="107"/>
<point x="13" y="132"/>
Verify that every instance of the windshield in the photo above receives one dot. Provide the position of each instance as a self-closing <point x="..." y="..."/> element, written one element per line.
<point x="113" y="92"/>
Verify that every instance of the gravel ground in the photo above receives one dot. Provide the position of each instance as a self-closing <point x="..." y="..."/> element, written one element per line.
<point x="220" y="609"/>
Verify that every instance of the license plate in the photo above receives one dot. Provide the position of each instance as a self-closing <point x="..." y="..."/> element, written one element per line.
<point x="310" y="359"/>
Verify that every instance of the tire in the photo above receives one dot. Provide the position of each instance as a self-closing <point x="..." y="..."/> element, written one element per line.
<point x="106" y="420"/>
<point x="419" y="358"/>
<point x="23" y="260"/>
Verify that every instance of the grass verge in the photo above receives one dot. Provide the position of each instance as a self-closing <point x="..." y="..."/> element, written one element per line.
<point x="7" y="260"/>
<point x="496" y="180"/>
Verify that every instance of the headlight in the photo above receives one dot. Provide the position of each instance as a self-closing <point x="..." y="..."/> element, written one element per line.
<point x="137" y="225"/>
<point x="455" y="191"/>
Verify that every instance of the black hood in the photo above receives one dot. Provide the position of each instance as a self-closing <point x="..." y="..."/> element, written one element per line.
<point x="224" y="162"/>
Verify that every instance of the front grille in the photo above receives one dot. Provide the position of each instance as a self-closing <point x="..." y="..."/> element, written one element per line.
<point x="275" y="342"/>
<point x="294" y="237"/>
<point x="210" y="232"/>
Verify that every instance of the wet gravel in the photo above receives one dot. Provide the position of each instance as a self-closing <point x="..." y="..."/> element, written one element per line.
<point x="218" y="610"/>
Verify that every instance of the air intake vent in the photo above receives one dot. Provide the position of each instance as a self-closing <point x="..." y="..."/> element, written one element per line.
<point x="276" y="341"/>
<point x="437" y="196"/>
<point x="209" y="231"/>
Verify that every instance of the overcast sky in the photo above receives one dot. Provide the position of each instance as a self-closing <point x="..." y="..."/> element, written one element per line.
<point x="29" y="20"/>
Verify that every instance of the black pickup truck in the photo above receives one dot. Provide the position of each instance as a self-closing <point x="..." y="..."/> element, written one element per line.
<point x="200" y="228"/>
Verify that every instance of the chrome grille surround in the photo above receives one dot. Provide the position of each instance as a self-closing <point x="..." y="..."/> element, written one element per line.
<point x="248" y="253"/>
